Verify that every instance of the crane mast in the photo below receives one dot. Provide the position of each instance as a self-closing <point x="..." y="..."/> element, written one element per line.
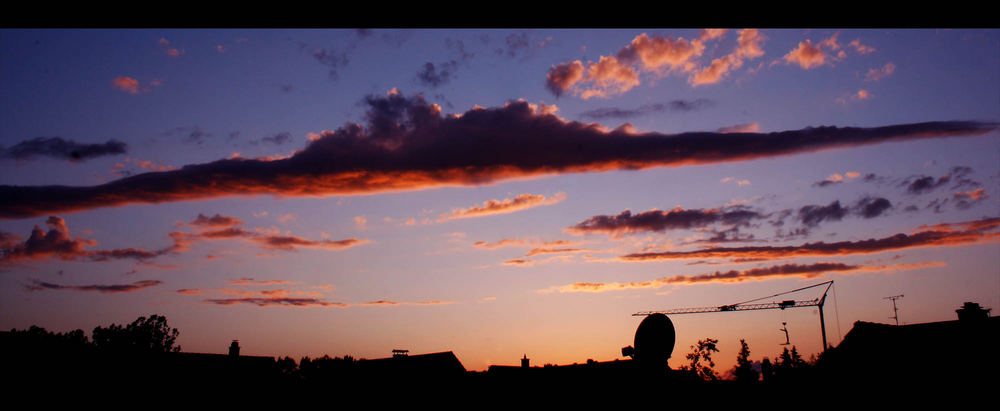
<point x="745" y="306"/>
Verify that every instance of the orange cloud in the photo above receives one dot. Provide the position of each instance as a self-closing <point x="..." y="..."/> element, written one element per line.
<point x="953" y="234"/>
<point x="610" y="78"/>
<point x="517" y="242"/>
<point x="563" y="76"/>
<point x="506" y="206"/>
<point x="741" y="128"/>
<point x="518" y="261"/>
<point x="974" y="195"/>
<point x="861" y="94"/>
<point x="394" y="303"/>
<point x="537" y="251"/>
<point x="657" y="53"/>
<point x="749" y="47"/>
<point x="806" y="55"/>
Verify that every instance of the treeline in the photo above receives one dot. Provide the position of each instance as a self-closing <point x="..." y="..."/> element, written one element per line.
<point x="143" y="336"/>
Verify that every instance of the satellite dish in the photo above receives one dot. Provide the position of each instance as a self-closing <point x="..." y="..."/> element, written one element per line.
<point x="654" y="339"/>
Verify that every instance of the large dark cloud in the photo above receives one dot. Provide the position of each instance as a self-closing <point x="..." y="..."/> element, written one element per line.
<point x="408" y="144"/>
<point x="646" y="109"/>
<point x="57" y="147"/>
<point x="934" y="236"/>
<point x="657" y="220"/>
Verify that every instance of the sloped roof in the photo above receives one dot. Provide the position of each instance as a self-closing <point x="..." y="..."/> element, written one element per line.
<point x="433" y="363"/>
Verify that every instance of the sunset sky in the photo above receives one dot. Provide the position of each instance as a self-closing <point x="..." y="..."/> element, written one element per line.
<point x="495" y="193"/>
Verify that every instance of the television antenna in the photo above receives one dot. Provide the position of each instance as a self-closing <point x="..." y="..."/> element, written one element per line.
<point x="895" y="311"/>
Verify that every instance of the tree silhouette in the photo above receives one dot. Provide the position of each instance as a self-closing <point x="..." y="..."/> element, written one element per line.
<point x="144" y="335"/>
<point x="744" y="371"/>
<point x="703" y="352"/>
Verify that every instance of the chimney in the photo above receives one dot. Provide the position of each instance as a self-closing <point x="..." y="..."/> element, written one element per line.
<point x="971" y="311"/>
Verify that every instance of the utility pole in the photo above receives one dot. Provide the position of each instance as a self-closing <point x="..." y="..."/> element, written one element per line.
<point x="895" y="311"/>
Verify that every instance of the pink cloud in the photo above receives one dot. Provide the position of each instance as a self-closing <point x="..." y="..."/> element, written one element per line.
<point x="861" y="48"/>
<point x="127" y="84"/>
<point x="168" y="49"/>
<point x="877" y="74"/>
<point x="741" y="128"/>
<point x="491" y="207"/>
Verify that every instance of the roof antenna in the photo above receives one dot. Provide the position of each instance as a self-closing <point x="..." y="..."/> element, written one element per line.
<point x="784" y="327"/>
<point x="895" y="311"/>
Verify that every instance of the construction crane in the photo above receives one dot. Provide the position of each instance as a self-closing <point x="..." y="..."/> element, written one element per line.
<point x="745" y="306"/>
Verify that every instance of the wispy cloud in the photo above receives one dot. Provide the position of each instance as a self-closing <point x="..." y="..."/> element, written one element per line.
<point x="942" y="235"/>
<point x="505" y="206"/>
<point x="647" y="109"/>
<point x="218" y="220"/>
<point x="880" y="73"/>
<point x="63" y="149"/>
<point x="395" y="303"/>
<point x="521" y="242"/>
<point x="37" y="285"/>
<point x="735" y="276"/>
<point x="657" y="220"/>
<point x="168" y="49"/>
<point x="740" y="128"/>
<point x="275" y="301"/>
<point x="58" y="243"/>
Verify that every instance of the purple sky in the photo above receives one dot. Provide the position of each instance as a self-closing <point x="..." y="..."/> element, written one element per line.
<point x="494" y="192"/>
